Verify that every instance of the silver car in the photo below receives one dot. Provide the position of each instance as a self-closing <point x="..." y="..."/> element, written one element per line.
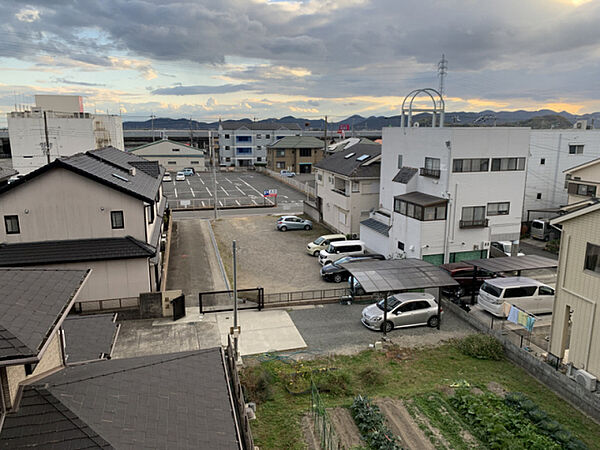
<point x="285" y="223"/>
<point x="403" y="310"/>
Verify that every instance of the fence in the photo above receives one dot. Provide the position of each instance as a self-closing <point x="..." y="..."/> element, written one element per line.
<point x="322" y="424"/>
<point x="286" y="298"/>
<point x="302" y="187"/>
<point x="222" y="203"/>
<point x="220" y="301"/>
<point x="95" y="306"/>
<point x="239" y="403"/>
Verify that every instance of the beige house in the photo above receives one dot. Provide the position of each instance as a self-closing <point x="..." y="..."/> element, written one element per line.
<point x="347" y="183"/>
<point x="576" y="315"/>
<point x="583" y="181"/>
<point x="33" y="305"/>
<point x="295" y="153"/>
<point x="172" y="155"/>
<point x="100" y="210"/>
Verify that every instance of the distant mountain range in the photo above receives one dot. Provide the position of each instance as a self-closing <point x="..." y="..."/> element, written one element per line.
<point x="543" y="118"/>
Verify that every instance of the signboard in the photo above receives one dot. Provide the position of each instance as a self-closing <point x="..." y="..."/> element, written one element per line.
<point x="270" y="193"/>
<point x="344" y="126"/>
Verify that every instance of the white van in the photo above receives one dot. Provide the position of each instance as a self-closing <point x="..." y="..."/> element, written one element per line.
<point x="525" y="293"/>
<point x="322" y="242"/>
<point x="337" y="250"/>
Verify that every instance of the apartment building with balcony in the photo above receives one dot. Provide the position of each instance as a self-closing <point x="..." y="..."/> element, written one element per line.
<point x="446" y="193"/>
<point x="583" y="181"/>
<point x="244" y="144"/>
<point x="295" y="153"/>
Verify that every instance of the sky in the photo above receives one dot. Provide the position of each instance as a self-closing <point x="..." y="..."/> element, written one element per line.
<point x="211" y="59"/>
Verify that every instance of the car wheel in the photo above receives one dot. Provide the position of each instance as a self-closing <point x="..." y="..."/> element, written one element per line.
<point x="546" y="238"/>
<point x="337" y="278"/>
<point x="433" y="321"/>
<point x="307" y="227"/>
<point x="283" y="228"/>
<point x="387" y="326"/>
<point x="315" y="254"/>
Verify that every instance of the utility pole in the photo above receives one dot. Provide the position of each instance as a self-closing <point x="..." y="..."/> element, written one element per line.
<point x="442" y="71"/>
<point x="191" y="134"/>
<point x="47" y="149"/>
<point x="152" y="116"/>
<point x="214" y="163"/>
<point x="325" y="137"/>
<point x="235" y="305"/>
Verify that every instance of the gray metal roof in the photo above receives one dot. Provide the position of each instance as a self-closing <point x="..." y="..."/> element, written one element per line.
<point x="75" y="250"/>
<point x="405" y="174"/>
<point x="6" y="173"/>
<point x="267" y="126"/>
<point x="89" y="337"/>
<point x="350" y="167"/>
<point x="177" y="400"/>
<point x="512" y="263"/>
<point x="393" y="275"/>
<point x="31" y="304"/>
<point x="419" y="198"/>
<point x="297" y="142"/>
<point x="376" y="225"/>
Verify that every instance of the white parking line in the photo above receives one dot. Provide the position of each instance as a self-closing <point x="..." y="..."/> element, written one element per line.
<point x="192" y="191"/>
<point x="221" y="203"/>
<point x="226" y="193"/>
<point x="203" y="205"/>
<point x="238" y="188"/>
<point x="201" y="180"/>
<point x="284" y="196"/>
<point x="252" y="187"/>
<point x="175" y="189"/>
<point x="229" y="180"/>
<point x="207" y="190"/>
<point x="188" y="181"/>
<point x="238" y="203"/>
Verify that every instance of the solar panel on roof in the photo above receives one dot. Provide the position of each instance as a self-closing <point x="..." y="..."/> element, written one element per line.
<point x="362" y="157"/>
<point x="349" y="155"/>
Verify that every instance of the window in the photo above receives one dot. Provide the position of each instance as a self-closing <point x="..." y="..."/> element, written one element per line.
<point x="227" y="159"/>
<point x="355" y="186"/>
<point x="498" y="209"/>
<point x="546" y="290"/>
<point x="543" y="161"/>
<point x="243" y="150"/>
<point x="473" y="217"/>
<point x="267" y="136"/>
<point x="171" y="162"/>
<point x="320" y="177"/>
<point x="174" y="149"/>
<point x="259" y="147"/>
<point x="11" y="224"/>
<point x="226" y="136"/>
<point x="279" y="137"/>
<point x="592" y="258"/>
<point x="258" y="158"/>
<point x="575" y="149"/>
<point x="149" y="214"/>
<point x="471" y="165"/>
<point x="428" y="213"/>
<point x="400" y="245"/>
<point x="305" y="152"/>
<point x="431" y="168"/>
<point x="280" y="165"/>
<point x="421" y="305"/>
<point x="259" y="136"/>
<point x="280" y="152"/>
<point x="27" y="156"/>
<point x="116" y="219"/>
<point x="194" y="162"/>
<point x="400" y="162"/>
<point x="582" y="189"/>
<point x="522" y="291"/>
<point x="227" y="147"/>
<point x="538" y="196"/>
<point x="243" y="139"/>
<point x="506" y="164"/>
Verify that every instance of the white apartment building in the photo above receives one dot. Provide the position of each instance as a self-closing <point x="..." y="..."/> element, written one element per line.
<point x="172" y="155"/>
<point x="446" y="193"/>
<point x="58" y="127"/>
<point x="551" y="153"/>
<point x="245" y="144"/>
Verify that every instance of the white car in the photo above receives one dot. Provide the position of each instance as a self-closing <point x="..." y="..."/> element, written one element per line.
<point x="287" y="173"/>
<point x="167" y="177"/>
<point x="180" y="176"/>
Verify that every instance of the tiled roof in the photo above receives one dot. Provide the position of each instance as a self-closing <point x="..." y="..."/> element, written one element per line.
<point x="267" y="126"/>
<point x="341" y="163"/>
<point x="44" y="422"/>
<point x="376" y="225"/>
<point x="405" y="174"/>
<point x="163" y="401"/>
<point x="88" y="337"/>
<point x="6" y="173"/>
<point x="75" y="250"/>
<point x="297" y="142"/>
<point x="108" y="166"/>
<point x="31" y="304"/>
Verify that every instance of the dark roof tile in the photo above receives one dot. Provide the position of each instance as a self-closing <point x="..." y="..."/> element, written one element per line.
<point x="405" y="174"/>
<point x="350" y="167"/>
<point x="376" y="225"/>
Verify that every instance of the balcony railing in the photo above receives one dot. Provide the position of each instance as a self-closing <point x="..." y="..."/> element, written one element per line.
<point x="481" y="223"/>
<point x="431" y="173"/>
<point x="339" y="191"/>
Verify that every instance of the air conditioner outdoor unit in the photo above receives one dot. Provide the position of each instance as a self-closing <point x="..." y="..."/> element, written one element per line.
<point x="586" y="379"/>
<point x="354" y="236"/>
<point x="475" y="246"/>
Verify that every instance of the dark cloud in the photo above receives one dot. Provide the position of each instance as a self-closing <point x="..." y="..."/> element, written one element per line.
<point x="201" y="90"/>
<point x="77" y="83"/>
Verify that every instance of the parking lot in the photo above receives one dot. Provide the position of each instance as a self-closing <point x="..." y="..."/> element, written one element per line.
<point x="233" y="189"/>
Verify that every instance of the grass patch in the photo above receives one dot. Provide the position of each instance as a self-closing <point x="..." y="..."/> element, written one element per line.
<point x="481" y="346"/>
<point x="278" y="418"/>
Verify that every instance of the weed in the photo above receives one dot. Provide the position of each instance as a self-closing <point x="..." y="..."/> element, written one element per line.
<point x="257" y="383"/>
<point x="481" y="346"/>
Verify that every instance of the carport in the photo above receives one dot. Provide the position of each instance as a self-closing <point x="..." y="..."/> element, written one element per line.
<point x="509" y="264"/>
<point x="398" y="275"/>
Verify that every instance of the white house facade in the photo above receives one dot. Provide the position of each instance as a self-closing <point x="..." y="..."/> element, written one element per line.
<point x="172" y="155"/>
<point x="446" y="193"/>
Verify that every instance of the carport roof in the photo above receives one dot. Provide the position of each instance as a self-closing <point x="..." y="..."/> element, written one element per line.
<point x="511" y="263"/>
<point x="398" y="275"/>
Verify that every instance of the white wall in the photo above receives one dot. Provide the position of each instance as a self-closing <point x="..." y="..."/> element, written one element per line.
<point x="255" y="142"/>
<point x="173" y="156"/>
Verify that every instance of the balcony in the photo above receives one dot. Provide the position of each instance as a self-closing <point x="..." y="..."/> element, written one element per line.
<point x="340" y="191"/>
<point x="481" y="223"/>
<point x="431" y="173"/>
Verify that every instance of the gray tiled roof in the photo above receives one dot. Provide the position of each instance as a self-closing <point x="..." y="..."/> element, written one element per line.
<point x="43" y="422"/>
<point x="32" y="302"/>
<point x="267" y="126"/>
<point x="350" y="167"/>
<point x="88" y="337"/>
<point x="405" y="174"/>
<point x="376" y="225"/>
<point x="163" y="401"/>
<point x="297" y="142"/>
<point x="75" y="250"/>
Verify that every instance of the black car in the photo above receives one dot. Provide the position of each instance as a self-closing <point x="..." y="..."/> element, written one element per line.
<point x="336" y="273"/>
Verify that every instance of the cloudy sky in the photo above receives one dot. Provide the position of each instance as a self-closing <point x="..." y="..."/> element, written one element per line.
<point x="265" y="58"/>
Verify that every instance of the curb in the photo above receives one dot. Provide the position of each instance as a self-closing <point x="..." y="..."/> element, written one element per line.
<point x="216" y="247"/>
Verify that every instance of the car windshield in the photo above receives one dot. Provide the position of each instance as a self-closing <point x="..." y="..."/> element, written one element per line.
<point x="392" y="302"/>
<point x="319" y="240"/>
<point x="538" y="225"/>
<point x="331" y="249"/>
<point x="492" y="290"/>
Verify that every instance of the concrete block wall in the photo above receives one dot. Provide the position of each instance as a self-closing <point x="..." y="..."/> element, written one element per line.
<point x="53" y="356"/>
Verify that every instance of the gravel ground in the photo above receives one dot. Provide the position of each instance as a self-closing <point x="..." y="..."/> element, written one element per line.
<point x="336" y="328"/>
<point x="274" y="260"/>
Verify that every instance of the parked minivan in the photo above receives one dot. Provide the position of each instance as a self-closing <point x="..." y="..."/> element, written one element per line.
<point x="337" y="250"/>
<point x="322" y="242"/>
<point x="525" y="293"/>
<point x="541" y="229"/>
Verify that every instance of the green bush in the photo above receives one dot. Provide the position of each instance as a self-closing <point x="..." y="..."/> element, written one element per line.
<point x="257" y="383"/>
<point x="481" y="346"/>
<point x="371" y="424"/>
